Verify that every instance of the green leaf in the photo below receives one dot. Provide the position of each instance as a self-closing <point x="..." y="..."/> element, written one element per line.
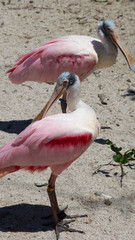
<point x="128" y="154"/>
<point x="125" y="160"/>
<point x="118" y="157"/>
<point x="115" y="148"/>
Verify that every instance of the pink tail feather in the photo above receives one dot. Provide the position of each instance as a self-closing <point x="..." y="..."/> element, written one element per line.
<point x="6" y="167"/>
<point x="12" y="169"/>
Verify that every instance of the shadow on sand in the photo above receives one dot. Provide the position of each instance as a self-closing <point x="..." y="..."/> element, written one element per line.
<point x="130" y="93"/>
<point x="25" y="218"/>
<point x="14" y="126"/>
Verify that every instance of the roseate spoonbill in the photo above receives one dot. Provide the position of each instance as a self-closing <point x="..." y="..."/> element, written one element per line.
<point x="80" y="55"/>
<point x="55" y="141"/>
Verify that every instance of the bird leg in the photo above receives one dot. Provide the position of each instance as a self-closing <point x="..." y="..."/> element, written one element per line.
<point x="53" y="198"/>
<point x="63" y="103"/>
<point x="58" y="215"/>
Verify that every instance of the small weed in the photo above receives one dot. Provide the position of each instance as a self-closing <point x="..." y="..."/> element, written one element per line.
<point x="121" y="158"/>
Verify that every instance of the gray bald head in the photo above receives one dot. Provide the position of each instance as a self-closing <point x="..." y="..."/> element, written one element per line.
<point x="106" y="26"/>
<point x="68" y="77"/>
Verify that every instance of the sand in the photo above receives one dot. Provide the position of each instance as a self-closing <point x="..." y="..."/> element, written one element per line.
<point x="25" y="25"/>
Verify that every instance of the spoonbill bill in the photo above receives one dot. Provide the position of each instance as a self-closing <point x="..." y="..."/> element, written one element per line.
<point x="55" y="141"/>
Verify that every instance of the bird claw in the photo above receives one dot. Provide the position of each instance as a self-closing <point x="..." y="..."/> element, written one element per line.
<point x="64" y="227"/>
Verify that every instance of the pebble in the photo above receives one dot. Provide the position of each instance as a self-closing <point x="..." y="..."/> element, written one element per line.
<point x="41" y="184"/>
<point x="103" y="98"/>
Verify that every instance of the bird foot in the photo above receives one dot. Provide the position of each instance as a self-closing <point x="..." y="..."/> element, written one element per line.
<point x="64" y="227"/>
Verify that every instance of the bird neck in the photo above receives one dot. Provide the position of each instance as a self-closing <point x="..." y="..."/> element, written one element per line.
<point x="107" y="51"/>
<point x="73" y="99"/>
<point x="74" y="102"/>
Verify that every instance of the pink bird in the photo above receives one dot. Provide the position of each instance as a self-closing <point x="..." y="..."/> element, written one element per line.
<point x="80" y="55"/>
<point x="55" y="141"/>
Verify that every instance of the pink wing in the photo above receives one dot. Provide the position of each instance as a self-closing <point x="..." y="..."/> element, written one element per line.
<point x="49" y="142"/>
<point x="44" y="64"/>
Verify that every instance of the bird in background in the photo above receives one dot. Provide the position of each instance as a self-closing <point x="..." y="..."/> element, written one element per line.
<point x="55" y="141"/>
<point x="78" y="54"/>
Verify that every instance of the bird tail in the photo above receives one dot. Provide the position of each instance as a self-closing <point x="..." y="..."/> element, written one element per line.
<point x="6" y="163"/>
<point x="12" y="169"/>
<point x="8" y="170"/>
<point x="5" y="156"/>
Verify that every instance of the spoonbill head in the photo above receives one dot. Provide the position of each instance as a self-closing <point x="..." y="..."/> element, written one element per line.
<point x="107" y="30"/>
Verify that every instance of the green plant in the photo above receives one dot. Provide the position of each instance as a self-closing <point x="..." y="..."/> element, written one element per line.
<point x="121" y="158"/>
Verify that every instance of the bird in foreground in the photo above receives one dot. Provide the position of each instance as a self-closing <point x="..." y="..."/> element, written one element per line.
<point x="55" y="141"/>
<point x="78" y="54"/>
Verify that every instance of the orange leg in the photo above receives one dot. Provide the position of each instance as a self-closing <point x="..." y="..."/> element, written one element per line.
<point x="52" y="197"/>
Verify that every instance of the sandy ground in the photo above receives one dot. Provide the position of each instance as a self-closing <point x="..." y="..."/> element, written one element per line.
<point x="25" y="25"/>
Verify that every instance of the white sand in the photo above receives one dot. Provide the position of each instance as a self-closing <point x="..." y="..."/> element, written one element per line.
<point x="25" y="25"/>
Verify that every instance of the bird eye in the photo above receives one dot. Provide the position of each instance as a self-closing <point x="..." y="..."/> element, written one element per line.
<point x="71" y="79"/>
<point x="65" y="82"/>
<point x="108" y="29"/>
<point x="71" y="82"/>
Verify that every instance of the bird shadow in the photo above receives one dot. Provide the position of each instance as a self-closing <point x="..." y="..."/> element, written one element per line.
<point x="130" y="93"/>
<point x="14" y="126"/>
<point x="101" y="141"/>
<point x="25" y="218"/>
